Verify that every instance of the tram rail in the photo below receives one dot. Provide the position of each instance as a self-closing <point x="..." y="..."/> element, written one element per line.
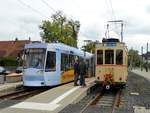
<point x="113" y="101"/>
<point x="20" y="94"/>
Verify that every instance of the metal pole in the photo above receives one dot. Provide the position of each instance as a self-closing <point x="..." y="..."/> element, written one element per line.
<point x="107" y="30"/>
<point x="142" y="58"/>
<point x="147" y="52"/>
<point x="147" y="57"/>
<point x="121" y="32"/>
<point x="117" y="21"/>
<point x="147" y="47"/>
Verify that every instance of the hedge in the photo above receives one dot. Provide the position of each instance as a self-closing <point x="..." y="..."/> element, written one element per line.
<point x="8" y="61"/>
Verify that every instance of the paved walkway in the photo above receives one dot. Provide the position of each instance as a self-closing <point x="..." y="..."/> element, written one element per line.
<point x="138" y="109"/>
<point x="9" y="86"/>
<point x="142" y="73"/>
<point x="141" y="109"/>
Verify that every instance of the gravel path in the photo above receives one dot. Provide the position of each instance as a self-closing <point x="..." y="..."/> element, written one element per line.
<point x="136" y="85"/>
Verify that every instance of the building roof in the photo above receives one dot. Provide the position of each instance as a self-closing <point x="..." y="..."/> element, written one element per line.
<point x="12" y="48"/>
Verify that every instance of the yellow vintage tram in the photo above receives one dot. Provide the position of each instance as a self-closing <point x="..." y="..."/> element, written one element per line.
<point x="111" y="63"/>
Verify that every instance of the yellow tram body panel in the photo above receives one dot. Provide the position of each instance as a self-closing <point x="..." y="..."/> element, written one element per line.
<point x="115" y="74"/>
<point x="111" y="63"/>
<point x="67" y="76"/>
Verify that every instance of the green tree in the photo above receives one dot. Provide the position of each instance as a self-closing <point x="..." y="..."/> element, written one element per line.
<point x="90" y="46"/>
<point x="60" y="29"/>
<point x="134" y="58"/>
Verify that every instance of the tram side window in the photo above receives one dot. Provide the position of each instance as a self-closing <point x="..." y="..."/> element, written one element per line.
<point x="99" y="57"/>
<point x="109" y="57"/>
<point x="67" y="61"/>
<point x="51" y="61"/>
<point x="71" y="61"/>
<point x="119" y="57"/>
<point x="64" y="61"/>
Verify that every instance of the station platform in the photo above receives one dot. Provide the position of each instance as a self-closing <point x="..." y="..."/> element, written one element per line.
<point x="4" y="88"/>
<point x="142" y="73"/>
<point x="13" y="77"/>
<point x="53" y="100"/>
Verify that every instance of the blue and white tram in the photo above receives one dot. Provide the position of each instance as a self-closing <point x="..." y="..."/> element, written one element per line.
<point x="49" y="64"/>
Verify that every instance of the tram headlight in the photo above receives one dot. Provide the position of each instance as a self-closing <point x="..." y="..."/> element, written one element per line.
<point x="120" y="78"/>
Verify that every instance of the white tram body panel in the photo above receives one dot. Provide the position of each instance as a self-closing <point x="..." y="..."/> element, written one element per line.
<point x="49" y="64"/>
<point x="111" y="63"/>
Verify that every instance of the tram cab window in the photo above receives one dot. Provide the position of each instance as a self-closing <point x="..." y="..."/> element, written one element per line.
<point x="34" y="58"/>
<point x="119" y="57"/>
<point x="51" y="61"/>
<point x="99" y="57"/>
<point x="109" y="57"/>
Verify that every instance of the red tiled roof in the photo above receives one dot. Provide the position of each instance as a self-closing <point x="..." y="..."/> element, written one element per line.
<point x="12" y="48"/>
<point x="2" y="52"/>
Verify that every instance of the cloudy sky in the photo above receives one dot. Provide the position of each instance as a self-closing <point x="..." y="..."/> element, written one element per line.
<point x="21" y="18"/>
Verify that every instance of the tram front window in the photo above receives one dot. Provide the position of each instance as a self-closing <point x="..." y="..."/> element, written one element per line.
<point x="119" y="57"/>
<point x="34" y="58"/>
<point x="109" y="57"/>
<point x="99" y="57"/>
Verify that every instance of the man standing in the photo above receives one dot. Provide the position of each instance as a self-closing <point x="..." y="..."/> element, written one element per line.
<point x="76" y="72"/>
<point x="82" y="68"/>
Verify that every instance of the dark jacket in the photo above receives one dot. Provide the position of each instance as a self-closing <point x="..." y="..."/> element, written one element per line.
<point x="82" y="68"/>
<point x="76" y="68"/>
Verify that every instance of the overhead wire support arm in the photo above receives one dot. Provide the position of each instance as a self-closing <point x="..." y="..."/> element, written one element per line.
<point x="113" y="13"/>
<point x="120" y="22"/>
<point x="107" y="31"/>
<point x="122" y="32"/>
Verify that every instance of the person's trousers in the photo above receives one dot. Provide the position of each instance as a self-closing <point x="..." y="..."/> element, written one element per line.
<point x="76" y="78"/>
<point x="82" y="79"/>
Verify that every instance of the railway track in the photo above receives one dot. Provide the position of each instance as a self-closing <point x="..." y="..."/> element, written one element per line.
<point x="20" y="94"/>
<point x="17" y="96"/>
<point x="106" y="101"/>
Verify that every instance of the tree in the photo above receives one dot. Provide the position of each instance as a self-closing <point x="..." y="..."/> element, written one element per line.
<point x="60" y="29"/>
<point x="134" y="58"/>
<point x="90" y="46"/>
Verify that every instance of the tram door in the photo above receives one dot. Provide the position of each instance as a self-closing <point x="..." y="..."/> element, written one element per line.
<point x="51" y="74"/>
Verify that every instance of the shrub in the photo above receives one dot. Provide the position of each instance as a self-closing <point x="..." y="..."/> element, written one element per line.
<point x="8" y="61"/>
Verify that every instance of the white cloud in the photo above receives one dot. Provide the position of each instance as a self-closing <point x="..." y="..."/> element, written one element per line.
<point x="18" y="20"/>
<point x="137" y="41"/>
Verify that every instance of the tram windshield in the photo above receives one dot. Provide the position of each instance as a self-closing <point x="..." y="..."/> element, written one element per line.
<point x="109" y="57"/>
<point x="34" y="58"/>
